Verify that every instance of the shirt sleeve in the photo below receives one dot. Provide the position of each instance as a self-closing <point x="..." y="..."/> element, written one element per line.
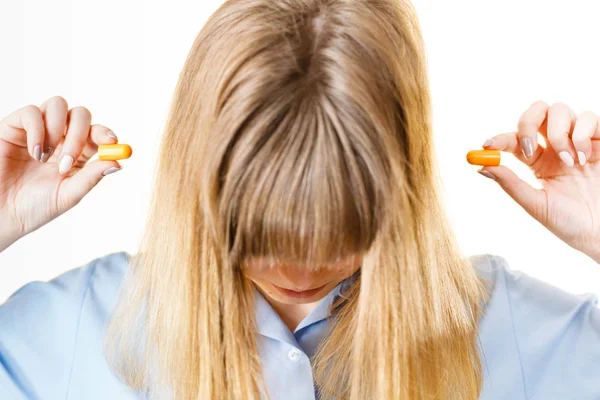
<point x="38" y="333"/>
<point x="557" y="336"/>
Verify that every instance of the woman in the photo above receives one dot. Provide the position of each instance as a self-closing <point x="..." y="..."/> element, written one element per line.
<point x="297" y="246"/>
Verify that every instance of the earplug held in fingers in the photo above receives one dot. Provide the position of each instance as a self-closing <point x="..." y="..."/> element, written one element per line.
<point x="484" y="157"/>
<point x="114" y="151"/>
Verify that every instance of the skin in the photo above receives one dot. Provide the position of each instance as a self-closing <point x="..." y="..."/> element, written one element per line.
<point x="32" y="193"/>
<point x="292" y="310"/>
<point x="568" y="202"/>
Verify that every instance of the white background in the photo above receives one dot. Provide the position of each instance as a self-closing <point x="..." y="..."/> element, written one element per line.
<point x="489" y="60"/>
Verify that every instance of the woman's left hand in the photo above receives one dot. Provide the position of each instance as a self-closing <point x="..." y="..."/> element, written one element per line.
<point x="568" y="204"/>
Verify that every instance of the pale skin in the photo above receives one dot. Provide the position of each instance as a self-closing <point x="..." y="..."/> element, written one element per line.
<point x="34" y="192"/>
<point x="568" y="204"/>
<point x="293" y="310"/>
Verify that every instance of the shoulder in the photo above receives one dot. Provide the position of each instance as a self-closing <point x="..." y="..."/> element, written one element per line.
<point x="527" y="294"/>
<point x="551" y="336"/>
<point x="41" y="324"/>
<point x="64" y="294"/>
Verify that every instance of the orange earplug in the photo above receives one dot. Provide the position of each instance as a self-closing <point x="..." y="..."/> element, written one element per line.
<point x="114" y="151"/>
<point x="484" y="157"/>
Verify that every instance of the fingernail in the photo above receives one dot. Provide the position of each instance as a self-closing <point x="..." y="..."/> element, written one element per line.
<point x="65" y="163"/>
<point x="46" y="154"/>
<point x="567" y="159"/>
<point x="111" y="170"/>
<point x="112" y="135"/>
<point x="37" y="152"/>
<point x="581" y="156"/>
<point x="488" y="142"/>
<point x="527" y="147"/>
<point x="487" y="174"/>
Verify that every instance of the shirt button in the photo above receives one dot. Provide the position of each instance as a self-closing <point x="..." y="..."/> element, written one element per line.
<point x="294" y="354"/>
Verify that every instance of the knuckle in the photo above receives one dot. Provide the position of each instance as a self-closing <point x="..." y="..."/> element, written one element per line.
<point x="588" y="115"/>
<point x="81" y="111"/>
<point x="539" y="103"/>
<point x="562" y="111"/>
<point x="57" y="100"/>
<point x="30" y="109"/>
<point x="559" y="105"/>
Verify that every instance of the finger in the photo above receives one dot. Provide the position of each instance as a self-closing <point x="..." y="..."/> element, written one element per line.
<point x="509" y="142"/>
<point x="99" y="134"/>
<point x="560" y="124"/>
<point x="532" y="200"/>
<point x="54" y="111"/>
<point x="529" y="125"/>
<point x="587" y="127"/>
<point x="78" y="130"/>
<point x="75" y="187"/>
<point x="25" y="128"/>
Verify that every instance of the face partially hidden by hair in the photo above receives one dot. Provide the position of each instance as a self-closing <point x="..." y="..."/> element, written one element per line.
<point x="292" y="284"/>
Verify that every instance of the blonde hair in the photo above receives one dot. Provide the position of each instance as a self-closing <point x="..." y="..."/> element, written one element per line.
<point x="300" y="129"/>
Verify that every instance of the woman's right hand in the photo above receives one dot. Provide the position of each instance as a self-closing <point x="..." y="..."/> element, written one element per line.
<point x="44" y="169"/>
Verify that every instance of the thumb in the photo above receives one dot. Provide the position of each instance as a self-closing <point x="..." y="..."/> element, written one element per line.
<point x="75" y="187"/>
<point x="531" y="199"/>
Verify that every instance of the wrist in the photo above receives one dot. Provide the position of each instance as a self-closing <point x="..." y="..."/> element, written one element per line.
<point x="5" y="244"/>
<point x="7" y="238"/>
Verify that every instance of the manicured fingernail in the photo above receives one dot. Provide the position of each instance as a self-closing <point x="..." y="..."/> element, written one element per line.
<point x="65" y="163"/>
<point x="581" y="156"/>
<point x="46" y="154"/>
<point x="111" y="170"/>
<point x="567" y="158"/>
<point x="37" y="152"/>
<point x="112" y="135"/>
<point x="527" y="147"/>
<point x="487" y="174"/>
<point x="488" y="142"/>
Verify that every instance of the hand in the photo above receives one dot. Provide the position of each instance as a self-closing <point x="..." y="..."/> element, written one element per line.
<point x="568" y="204"/>
<point x="43" y="164"/>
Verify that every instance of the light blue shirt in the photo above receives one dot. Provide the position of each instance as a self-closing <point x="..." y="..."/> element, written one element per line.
<point x="538" y="342"/>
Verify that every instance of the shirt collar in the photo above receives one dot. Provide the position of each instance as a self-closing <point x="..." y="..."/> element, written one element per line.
<point x="270" y="324"/>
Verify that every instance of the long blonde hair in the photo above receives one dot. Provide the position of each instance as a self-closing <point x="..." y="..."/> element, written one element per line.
<point x="300" y="129"/>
